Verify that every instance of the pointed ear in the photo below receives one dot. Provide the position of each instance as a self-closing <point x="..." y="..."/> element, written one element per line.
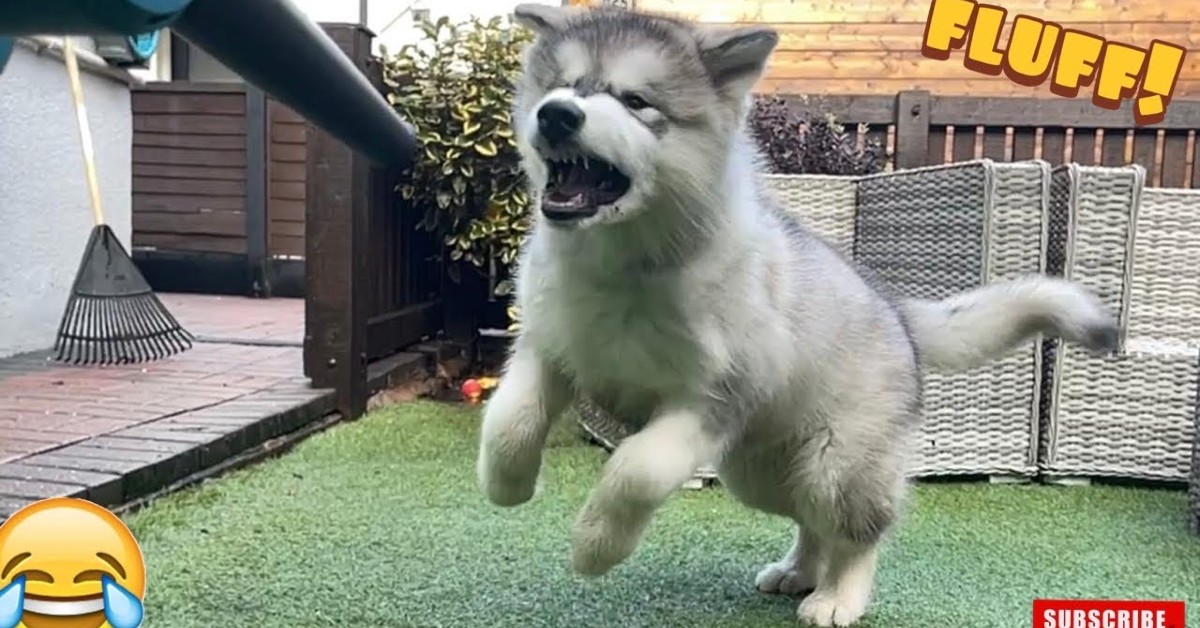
<point x="736" y="57"/>
<point x="542" y="19"/>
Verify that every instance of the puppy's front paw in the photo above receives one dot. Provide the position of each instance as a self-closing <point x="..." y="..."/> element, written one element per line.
<point x="784" y="578"/>
<point x="506" y="485"/>
<point x="826" y="609"/>
<point x="510" y="455"/>
<point x="598" y="544"/>
<point x="508" y="493"/>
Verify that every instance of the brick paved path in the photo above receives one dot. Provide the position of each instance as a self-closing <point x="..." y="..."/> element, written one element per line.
<point x="239" y="319"/>
<point x="45" y="405"/>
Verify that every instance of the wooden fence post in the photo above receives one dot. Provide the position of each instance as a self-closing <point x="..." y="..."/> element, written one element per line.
<point x="256" y="192"/>
<point x="335" y="268"/>
<point x="912" y="129"/>
<point x="338" y="191"/>
<point x="461" y="302"/>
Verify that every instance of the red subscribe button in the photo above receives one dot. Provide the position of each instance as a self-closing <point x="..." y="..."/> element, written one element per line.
<point x="1107" y="614"/>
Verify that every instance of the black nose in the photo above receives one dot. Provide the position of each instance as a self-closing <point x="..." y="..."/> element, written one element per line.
<point x="558" y="120"/>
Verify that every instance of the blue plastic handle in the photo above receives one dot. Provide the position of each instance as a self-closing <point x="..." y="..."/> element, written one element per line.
<point x="87" y="17"/>
<point x="6" y="46"/>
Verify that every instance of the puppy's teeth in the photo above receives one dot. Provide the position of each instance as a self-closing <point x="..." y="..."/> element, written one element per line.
<point x="587" y="163"/>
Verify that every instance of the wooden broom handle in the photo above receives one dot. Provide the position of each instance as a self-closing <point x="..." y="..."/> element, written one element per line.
<point x="85" y="133"/>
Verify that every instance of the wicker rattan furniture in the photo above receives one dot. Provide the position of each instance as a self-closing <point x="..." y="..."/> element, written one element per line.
<point x="1133" y="414"/>
<point x="826" y="203"/>
<point x="933" y="232"/>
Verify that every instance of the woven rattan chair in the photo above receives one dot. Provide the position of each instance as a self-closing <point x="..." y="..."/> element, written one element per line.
<point x="1130" y="415"/>
<point x="825" y="203"/>
<point x="933" y="232"/>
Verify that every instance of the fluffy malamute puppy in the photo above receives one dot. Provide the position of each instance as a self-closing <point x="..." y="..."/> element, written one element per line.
<point x="661" y="281"/>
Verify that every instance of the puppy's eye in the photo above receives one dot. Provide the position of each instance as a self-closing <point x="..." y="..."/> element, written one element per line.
<point x="633" y="101"/>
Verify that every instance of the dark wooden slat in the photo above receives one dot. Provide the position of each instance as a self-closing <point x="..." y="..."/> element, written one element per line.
<point x="912" y="129"/>
<point x="181" y="59"/>
<point x="287" y="190"/>
<point x="288" y="153"/>
<point x="168" y="171"/>
<point x="1160" y="137"/>
<point x="287" y="172"/>
<point x="1114" y="148"/>
<point x="174" y="140"/>
<point x="1143" y="152"/>
<point x="1024" y="143"/>
<point x="338" y="184"/>
<point x="964" y="143"/>
<point x="1196" y="160"/>
<point x="1053" y="144"/>
<point x="189" y="157"/>
<point x="189" y="242"/>
<point x="402" y="327"/>
<point x="1175" y="159"/>
<point x="285" y="210"/>
<point x="256" y="190"/>
<point x="183" y="203"/>
<point x="200" y="124"/>
<point x="993" y="143"/>
<point x="289" y="133"/>
<point x="190" y="187"/>
<point x="1080" y="112"/>
<point x="292" y="228"/>
<point x="1084" y="147"/>
<point x="208" y="223"/>
<point x="286" y="245"/>
<point x="187" y="103"/>
<point x="384" y="248"/>
<point x="937" y="145"/>
<point x="196" y="87"/>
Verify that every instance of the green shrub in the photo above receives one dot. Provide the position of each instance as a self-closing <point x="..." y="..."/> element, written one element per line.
<point x="801" y="140"/>
<point x="455" y="85"/>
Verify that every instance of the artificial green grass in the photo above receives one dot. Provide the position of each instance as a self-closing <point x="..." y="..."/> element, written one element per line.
<point x="379" y="523"/>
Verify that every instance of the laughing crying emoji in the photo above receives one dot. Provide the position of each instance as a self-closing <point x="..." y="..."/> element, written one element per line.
<point x="68" y="563"/>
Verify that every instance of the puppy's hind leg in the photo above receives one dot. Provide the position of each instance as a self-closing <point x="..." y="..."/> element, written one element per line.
<point x="799" y="571"/>
<point x="516" y="420"/>
<point x="642" y="473"/>
<point x="844" y="593"/>
<point x="853" y="523"/>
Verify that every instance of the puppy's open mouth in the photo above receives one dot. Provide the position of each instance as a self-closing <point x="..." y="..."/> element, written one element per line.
<point x="580" y="185"/>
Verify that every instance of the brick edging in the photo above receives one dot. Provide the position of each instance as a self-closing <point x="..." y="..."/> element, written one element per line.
<point x="130" y="463"/>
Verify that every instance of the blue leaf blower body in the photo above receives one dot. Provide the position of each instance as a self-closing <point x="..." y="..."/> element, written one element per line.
<point x="269" y="43"/>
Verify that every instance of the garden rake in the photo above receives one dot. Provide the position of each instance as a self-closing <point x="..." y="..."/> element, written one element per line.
<point x="112" y="316"/>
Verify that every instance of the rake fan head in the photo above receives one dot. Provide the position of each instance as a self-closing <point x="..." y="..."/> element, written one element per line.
<point x="112" y="315"/>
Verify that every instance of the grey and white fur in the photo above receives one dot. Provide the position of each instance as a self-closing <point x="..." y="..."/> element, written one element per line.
<point x="682" y="300"/>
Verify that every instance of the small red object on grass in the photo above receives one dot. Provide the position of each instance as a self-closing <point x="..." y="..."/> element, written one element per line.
<point x="472" y="391"/>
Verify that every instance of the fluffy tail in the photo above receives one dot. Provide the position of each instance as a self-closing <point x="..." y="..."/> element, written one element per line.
<point x="975" y="327"/>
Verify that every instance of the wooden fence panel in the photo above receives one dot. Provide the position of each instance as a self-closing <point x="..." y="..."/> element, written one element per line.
<point x="957" y="128"/>
<point x="873" y="46"/>
<point x="189" y="167"/>
<point x="286" y="176"/>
